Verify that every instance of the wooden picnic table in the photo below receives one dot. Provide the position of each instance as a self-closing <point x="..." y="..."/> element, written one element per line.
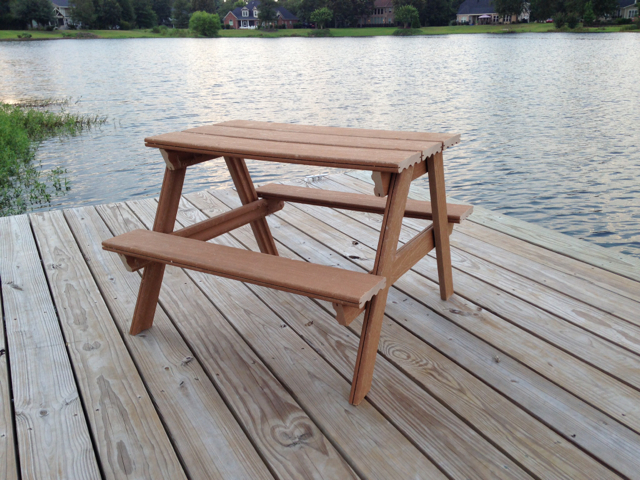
<point x="395" y="160"/>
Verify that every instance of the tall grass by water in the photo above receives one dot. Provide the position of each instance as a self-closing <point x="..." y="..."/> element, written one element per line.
<point x="23" y="126"/>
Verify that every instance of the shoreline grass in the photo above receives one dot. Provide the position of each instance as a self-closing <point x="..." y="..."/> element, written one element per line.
<point x="23" y="126"/>
<point x="12" y="35"/>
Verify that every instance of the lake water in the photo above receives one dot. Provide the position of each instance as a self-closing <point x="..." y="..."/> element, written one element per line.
<point x="550" y="123"/>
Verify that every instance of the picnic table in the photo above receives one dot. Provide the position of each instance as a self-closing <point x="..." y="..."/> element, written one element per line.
<point x="395" y="160"/>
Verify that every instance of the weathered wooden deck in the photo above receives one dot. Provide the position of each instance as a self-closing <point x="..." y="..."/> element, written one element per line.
<point x="532" y="370"/>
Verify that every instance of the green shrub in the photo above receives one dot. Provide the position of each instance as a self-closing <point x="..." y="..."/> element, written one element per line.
<point x="321" y="16"/>
<point x="155" y="29"/>
<point x="406" y="32"/>
<point x="24" y="35"/>
<point x="629" y="28"/>
<point x="124" y="25"/>
<point x="408" y="16"/>
<point x="623" y="21"/>
<point x="559" y="20"/>
<point x="205" y="24"/>
<point x="325" y="32"/>
<point x="572" y="21"/>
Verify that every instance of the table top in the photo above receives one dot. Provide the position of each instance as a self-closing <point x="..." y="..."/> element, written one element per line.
<point x="351" y="148"/>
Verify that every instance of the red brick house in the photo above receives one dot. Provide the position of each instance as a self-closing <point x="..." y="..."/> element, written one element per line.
<point x="247" y="16"/>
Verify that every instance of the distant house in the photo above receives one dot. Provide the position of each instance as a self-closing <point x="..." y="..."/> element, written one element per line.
<point x="61" y="13"/>
<point x="482" y="12"/>
<point x="627" y="8"/>
<point x="382" y="14"/>
<point x="247" y="16"/>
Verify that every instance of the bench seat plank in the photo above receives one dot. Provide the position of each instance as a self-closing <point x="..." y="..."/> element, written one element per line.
<point x="447" y="139"/>
<point x="317" y="281"/>
<point x="356" y="201"/>
<point x="299" y="153"/>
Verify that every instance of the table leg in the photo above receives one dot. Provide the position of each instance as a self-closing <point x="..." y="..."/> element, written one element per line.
<point x="435" y="168"/>
<point x="247" y="193"/>
<point x="385" y="258"/>
<point x="152" y="275"/>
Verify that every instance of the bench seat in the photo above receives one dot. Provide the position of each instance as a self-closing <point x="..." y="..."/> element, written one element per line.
<point x="356" y="201"/>
<point x="336" y="285"/>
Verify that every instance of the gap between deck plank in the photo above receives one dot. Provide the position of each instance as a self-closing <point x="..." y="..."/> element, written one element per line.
<point x="129" y="437"/>
<point x="206" y="436"/>
<point x="586" y="252"/>
<point x="286" y="437"/>
<point x="477" y="403"/>
<point x="52" y="434"/>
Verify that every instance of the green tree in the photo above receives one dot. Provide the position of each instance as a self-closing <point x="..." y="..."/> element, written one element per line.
<point x="267" y="13"/>
<point x="40" y="11"/>
<point x="181" y="13"/>
<point x="406" y="15"/>
<point x="588" y="17"/>
<point x="128" y="15"/>
<point x="509" y="7"/>
<point x="205" y="24"/>
<point x="321" y="16"/>
<point x="439" y="12"/>
<point x="543" y="9"/>
<point x="602" y="8"/>
<point x="306" y="8"/>
<point x="224" y="8"/>
<point x="82" y="12"/>
<point x="162" y="9"/>
<point x="208" y="6"/>
<point x="145" y="16"/>
<point x="110" y="14"/>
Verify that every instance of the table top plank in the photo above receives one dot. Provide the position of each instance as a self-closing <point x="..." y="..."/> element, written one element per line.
<point x="309" y="154"/>
<point x="427" y="147"/>
<point x="447" y="139"/>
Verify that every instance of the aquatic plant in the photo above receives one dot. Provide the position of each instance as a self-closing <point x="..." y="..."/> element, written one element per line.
<point x="23" y="126"/>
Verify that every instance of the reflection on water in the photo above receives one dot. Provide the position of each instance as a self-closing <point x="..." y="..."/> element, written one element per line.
<point x="550" y="124"/>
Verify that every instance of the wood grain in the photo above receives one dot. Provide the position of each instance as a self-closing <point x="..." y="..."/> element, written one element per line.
<point x="205" y="434"/>
<point x="533" y="437"/>
<point x="53" y="438"/>
<point x="522" y="436"/>
<point x="8" y="459"/>
<point x="375" y="447"/>
<point x="129" y="437"/>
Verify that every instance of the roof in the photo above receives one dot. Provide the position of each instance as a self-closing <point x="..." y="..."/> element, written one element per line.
<point x="626" y="3"/>
<point x="253" y="5"/>
<point x="476" y="7"/>
<point x="60" y="3"/>
<point x="383" y="4"/>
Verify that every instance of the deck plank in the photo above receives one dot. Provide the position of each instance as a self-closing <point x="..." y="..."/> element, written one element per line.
<point x="8" y="460"/>
<point x="376" y="449"/>
<point x="205" y="434"/>
<point x="591" y="254"/>
<point x="129" y="437"/>
<point x="552" y="309"/>
<point x="532" y="444"/>
<point x="601" y="390"/>
<point x="286" y="437"/>
<point x="52" y="434"/>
